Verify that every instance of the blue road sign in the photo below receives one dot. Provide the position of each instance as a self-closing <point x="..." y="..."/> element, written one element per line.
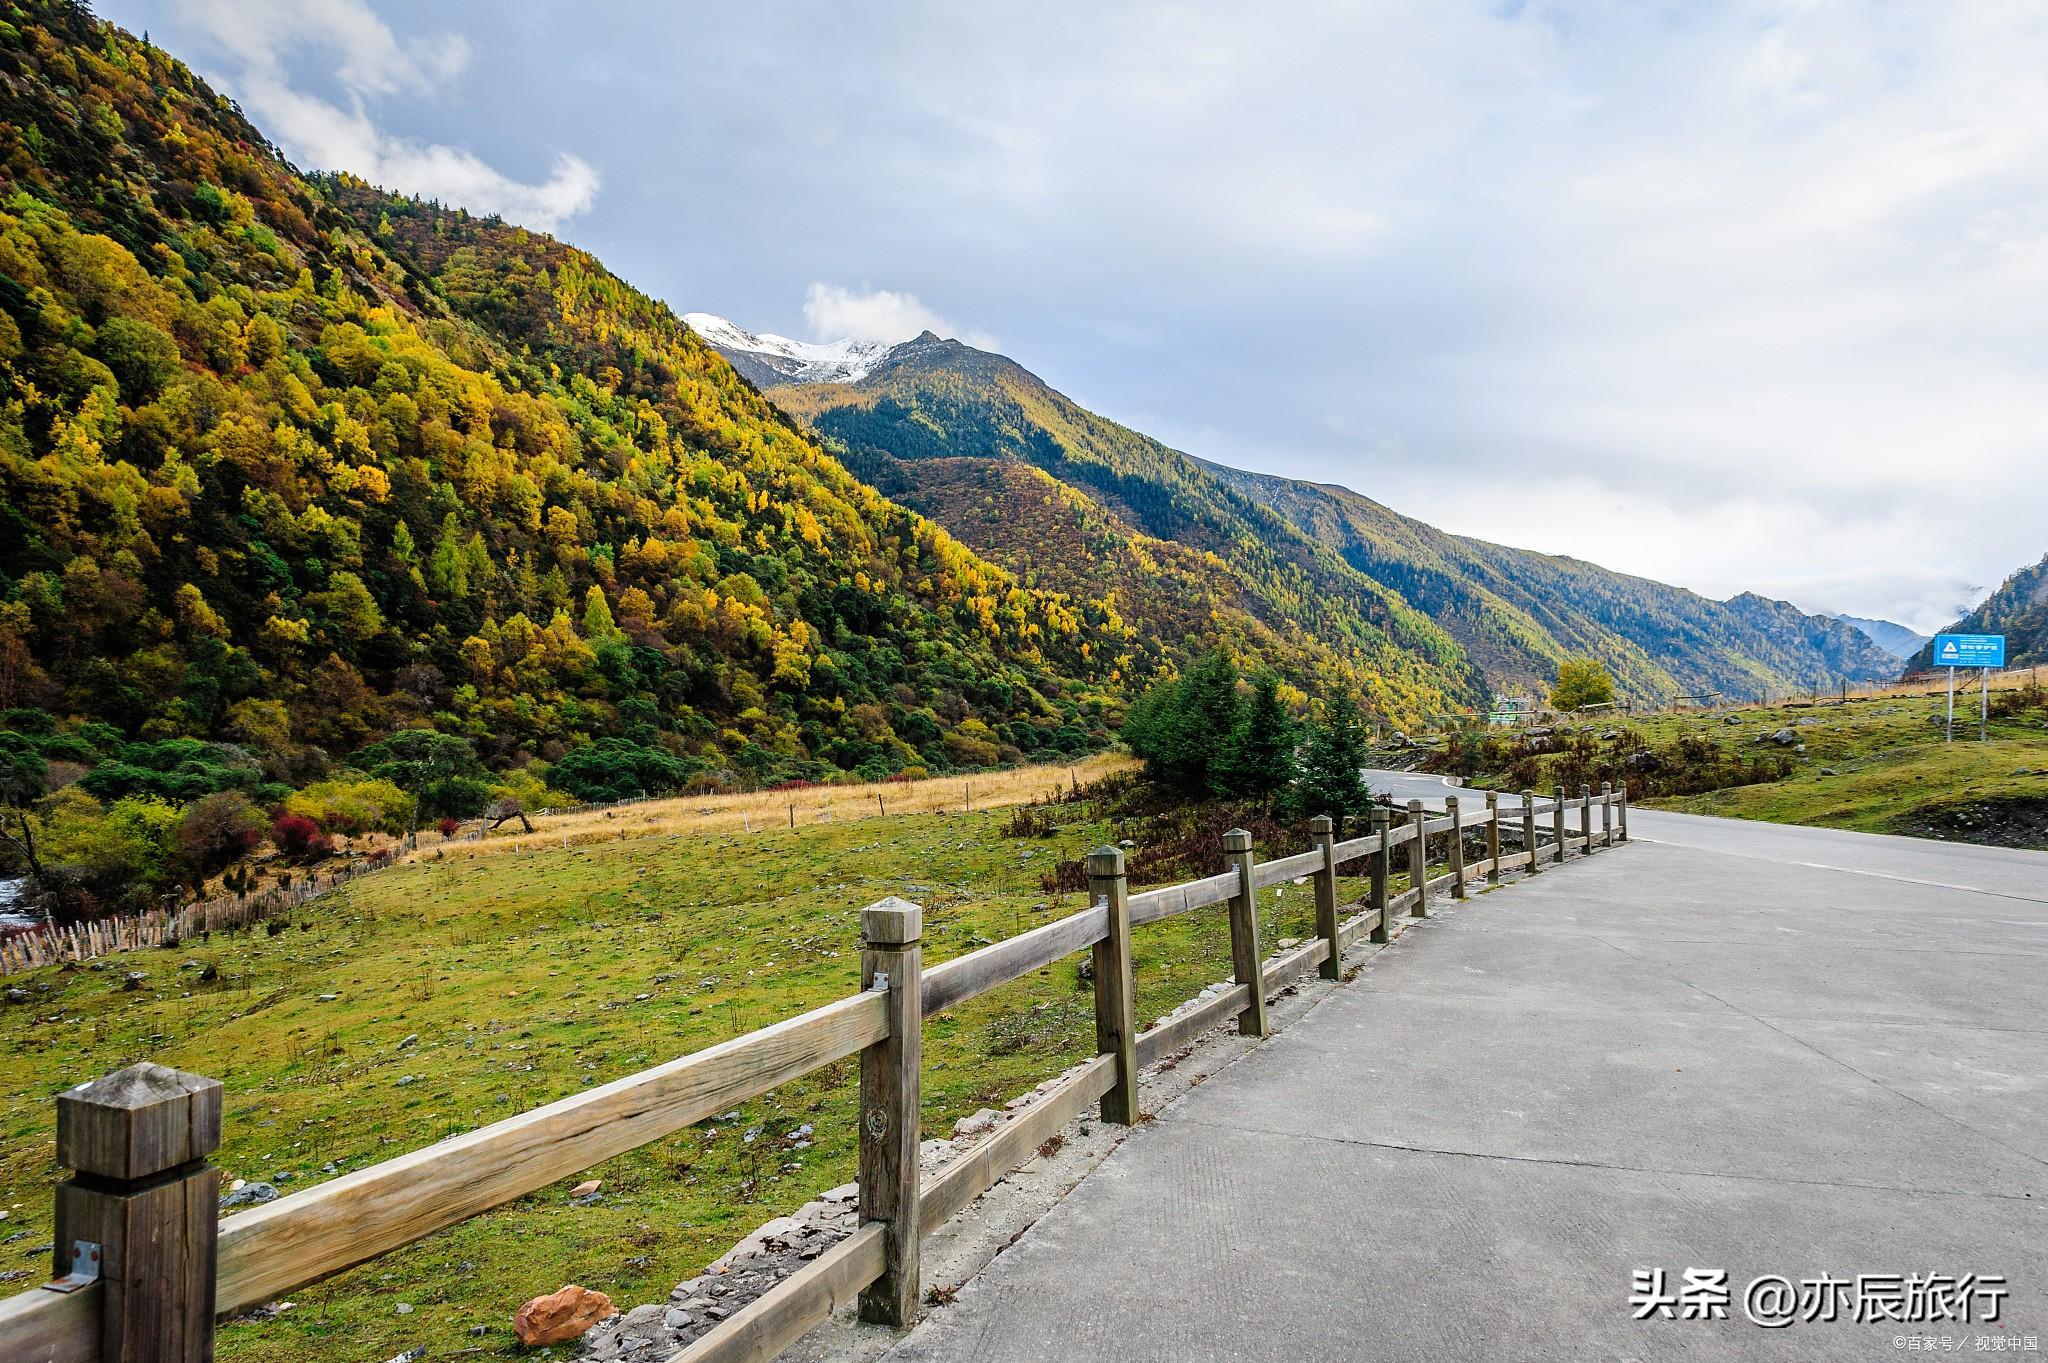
<point x="1969" y="650"/>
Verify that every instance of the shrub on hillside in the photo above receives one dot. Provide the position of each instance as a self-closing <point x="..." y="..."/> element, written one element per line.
<point x="293" y="834"/>
<point x="1582" y="682"/>
<point x="353" y="805"/>
<point x="618" y="769"/>
<point x="216" y="832"/>
<point x="103" y="858"/>
<point x="174" y="769"/>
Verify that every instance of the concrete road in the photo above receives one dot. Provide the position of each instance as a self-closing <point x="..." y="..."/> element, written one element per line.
<point x="1731" y="1047"/>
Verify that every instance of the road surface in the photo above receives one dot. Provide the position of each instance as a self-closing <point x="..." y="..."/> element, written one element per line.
<point x="1733" y="1047"/>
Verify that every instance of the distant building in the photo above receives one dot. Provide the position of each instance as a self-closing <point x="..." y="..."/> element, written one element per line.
<point x="1511" y="711"/>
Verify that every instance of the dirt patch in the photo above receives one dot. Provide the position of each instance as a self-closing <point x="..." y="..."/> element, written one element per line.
<point x="2020" y="821"/>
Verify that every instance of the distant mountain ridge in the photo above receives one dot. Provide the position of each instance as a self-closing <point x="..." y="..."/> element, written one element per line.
<point x="767" y="359"/>
<point x="1004" y="461"/>
<point x="2018" y="610"/>
<point x="1519" y="612"/>
<point x="1894" y="638"/>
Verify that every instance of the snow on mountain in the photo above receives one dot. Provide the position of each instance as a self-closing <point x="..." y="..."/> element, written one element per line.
<point x="767" y="358"/>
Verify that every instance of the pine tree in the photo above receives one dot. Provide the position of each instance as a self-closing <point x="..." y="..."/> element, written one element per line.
<point x="1181" y="728"/>
<point x="1258" y="761"/>
<point x="598" y="625"/>
<point x="1332" y="779"/>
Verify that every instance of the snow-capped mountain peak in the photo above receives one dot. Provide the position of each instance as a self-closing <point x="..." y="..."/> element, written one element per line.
<point x="785" y="360"/>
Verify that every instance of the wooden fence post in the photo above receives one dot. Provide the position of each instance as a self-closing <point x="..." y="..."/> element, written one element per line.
<point x="1621" y="815"/>
<point x="1116" y="1028"/>
<point x="1382" y="867"/>
<point x="1492" y="837"/>
<point x="1557" y="822"/>
<point x="1606" y="814"/>
<point x="1586" y="816"/>
<point x="147" y="1204"/>
<point x="1244" y="933"/>
<point x="890" y="1075"/>
<point x="1457" y="847"/>
<point x="1325" y="833"/>
<point x="1529" y="829"/>
<point x="1418" y="862"/>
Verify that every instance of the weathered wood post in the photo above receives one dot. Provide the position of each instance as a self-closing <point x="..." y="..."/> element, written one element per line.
<point x="1244" y="933"/>
<point x="1116" y="1028"/>
<point x="142" y="1210"/>
<point x="890" y="1074"/>
<point x="1586" y="816"/>
<point x="1382" y="867"/>
<point x="1326" y="895"/>
<point x="1606" y="814"/>
<point x="1557" y="822"/>
<point x="1492" y="837"/>
<point x="1457" y="847"/>
<point x="1529" y="829"/>
<point x="1621" y="815"/>
<point x="1418" y="862"/>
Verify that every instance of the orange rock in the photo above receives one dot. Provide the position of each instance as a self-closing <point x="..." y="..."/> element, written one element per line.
<point x="560" y="1316"/>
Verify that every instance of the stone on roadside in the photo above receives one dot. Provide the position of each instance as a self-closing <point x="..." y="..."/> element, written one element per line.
<point x="586" y="1188"/>
<point x="560" y="1316"/>
<point x="975" y="1124"/>
<point x="250" y="1195"/>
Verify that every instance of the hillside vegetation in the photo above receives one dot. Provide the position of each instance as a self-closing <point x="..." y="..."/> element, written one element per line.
<point x="324" y="511"/>
<point x="1082" y="506"/>
<point x="1521" y="614"/>
<point x="290" y="464"/>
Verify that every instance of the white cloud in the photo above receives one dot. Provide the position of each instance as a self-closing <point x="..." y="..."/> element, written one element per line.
<point x="369" y="60"/>
<point x="835" y="314"/>
<point x="260" y="34"/>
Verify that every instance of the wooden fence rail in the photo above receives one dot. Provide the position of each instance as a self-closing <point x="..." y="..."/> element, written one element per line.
<point x="144" y="1266"/>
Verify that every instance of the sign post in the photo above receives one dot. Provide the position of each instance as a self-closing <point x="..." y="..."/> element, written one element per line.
<point x="1983" y="651"/>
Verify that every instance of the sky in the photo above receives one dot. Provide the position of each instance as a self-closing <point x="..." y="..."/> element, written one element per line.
<point x="1742" y="296"/>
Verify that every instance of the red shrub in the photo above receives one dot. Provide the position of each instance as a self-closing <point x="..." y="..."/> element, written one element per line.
<point x="449" y="827"/>
<point x="296" y="835"/>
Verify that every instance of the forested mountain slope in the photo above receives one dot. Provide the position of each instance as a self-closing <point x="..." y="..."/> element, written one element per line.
<point x="1518" y="611"/>
<point x="290" y="463"/>
<point x="1285" y="565"/>
<point x="1081" y="505"/>
<point x="2018" y="610"/>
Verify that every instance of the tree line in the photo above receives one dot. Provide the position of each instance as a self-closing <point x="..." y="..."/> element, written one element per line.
<point x="1211" y="733"/>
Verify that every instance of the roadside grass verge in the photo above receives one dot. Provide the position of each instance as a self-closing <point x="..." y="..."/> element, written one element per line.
<point x="1878" y="764"/>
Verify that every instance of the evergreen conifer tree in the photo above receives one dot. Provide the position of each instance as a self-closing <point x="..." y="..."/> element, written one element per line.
<point x="1332" y="779"/>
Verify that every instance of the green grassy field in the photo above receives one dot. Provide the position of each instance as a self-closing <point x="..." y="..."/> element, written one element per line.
<point x="1883" y="767"/>
<point x="1877" y="765"/>
<point x="525" y="977"/>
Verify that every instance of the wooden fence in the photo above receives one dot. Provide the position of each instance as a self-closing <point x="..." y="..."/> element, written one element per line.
<point x="146" y="1267"/>
<point x="50" y="945"/>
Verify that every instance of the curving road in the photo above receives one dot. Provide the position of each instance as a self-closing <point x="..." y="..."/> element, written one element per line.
<point x="1729" y="1046"/>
